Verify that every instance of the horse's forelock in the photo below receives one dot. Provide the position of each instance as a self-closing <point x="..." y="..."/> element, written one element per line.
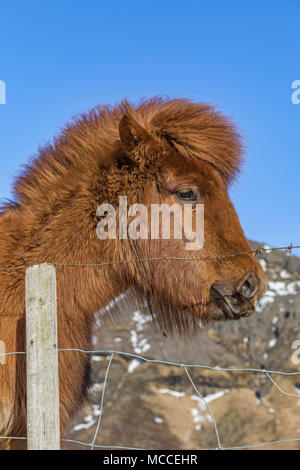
<point x="195" y="130"/>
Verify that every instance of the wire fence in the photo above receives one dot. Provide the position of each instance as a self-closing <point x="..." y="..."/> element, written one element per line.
<point x="186" y="367"/>
<point x="111" y="354"/>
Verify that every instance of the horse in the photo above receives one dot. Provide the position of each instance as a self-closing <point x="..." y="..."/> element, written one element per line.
<point x="158" y="151"/>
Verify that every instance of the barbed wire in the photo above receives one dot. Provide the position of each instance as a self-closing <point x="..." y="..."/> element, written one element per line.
<point x="257" y="252"/>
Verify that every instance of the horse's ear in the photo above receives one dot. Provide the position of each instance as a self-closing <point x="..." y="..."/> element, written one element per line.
<point x="132" y="134"/>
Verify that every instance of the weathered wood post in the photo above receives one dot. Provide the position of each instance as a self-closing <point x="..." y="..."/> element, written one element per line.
<point x="43" y="431"/>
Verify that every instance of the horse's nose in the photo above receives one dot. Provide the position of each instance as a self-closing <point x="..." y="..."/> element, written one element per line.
<point x="235" y="300"/>
<point x="248" y="285"/>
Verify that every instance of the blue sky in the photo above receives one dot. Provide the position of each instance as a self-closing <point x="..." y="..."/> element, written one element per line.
<point x="61" y="57"/>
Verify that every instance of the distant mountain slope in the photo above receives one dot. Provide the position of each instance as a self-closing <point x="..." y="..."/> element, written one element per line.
<point x="154" y="406"/>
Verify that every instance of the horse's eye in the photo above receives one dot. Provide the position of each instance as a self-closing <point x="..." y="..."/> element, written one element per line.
<point x="187" y="195"/>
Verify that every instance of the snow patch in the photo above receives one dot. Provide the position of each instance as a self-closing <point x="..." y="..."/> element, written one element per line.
<point x="158" y="420"/>
<point x="139" y="343"/>
<point x="284" y="274"/>
<point x="173" y="393"/>
<point x="89" y="422"/>
<point x="278" y="288"/>
<point x="133" y="365"/>
<point x="281" y="288"/>
<point x="267" y="299"/>
<point x="263" y="264"/>
<point x="96" y="358"/>
<point x="272" y="343"/>
<point x="209" y="398"/>
<point x="140" y="320"/>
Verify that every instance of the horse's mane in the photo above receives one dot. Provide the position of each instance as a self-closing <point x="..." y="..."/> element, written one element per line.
<point x="91" y="142"/>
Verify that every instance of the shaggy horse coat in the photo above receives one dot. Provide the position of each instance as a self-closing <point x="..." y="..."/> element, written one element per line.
<point x="151" y="153"/>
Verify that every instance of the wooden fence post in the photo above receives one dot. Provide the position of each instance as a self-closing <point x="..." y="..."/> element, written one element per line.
<point x="43" y="425"/>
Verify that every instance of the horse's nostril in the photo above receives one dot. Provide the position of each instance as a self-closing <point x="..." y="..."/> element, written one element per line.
<point x="234" y="299"/>
<point x="248" y="285"/>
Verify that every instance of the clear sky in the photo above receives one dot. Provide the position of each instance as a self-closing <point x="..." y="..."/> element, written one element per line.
<point x="61" y="57"/>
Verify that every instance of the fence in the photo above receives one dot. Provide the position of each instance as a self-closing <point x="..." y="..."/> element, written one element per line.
<point x="43" y="426"/>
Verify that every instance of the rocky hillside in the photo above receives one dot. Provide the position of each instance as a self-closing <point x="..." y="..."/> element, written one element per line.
<point x="154" y="406"/>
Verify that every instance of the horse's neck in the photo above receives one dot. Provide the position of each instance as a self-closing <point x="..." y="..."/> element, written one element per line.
<point x="68" y="238"/>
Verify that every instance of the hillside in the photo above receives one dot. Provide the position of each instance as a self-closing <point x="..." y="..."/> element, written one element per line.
<point x="154" y="406"/>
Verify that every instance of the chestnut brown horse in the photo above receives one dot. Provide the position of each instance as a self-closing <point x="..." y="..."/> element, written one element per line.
<point x="159" y="151"/>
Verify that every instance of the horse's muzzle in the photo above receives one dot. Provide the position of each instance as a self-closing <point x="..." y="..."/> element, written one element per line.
<point x="238" y="300"/>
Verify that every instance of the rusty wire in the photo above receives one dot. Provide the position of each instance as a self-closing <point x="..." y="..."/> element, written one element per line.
<point x="258" y="251"/>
